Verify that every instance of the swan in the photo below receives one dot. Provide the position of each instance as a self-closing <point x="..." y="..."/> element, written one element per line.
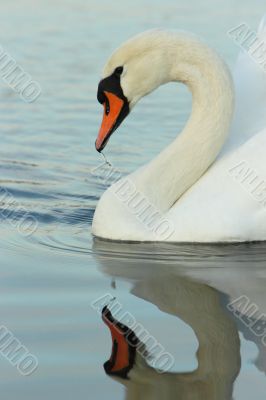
<point x="208" y="185"/>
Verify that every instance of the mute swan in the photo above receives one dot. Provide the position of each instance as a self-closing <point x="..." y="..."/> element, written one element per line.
<point x="187" y="194"/>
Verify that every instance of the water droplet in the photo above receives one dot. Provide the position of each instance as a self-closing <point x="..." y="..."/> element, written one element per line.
<point x="106" y="161"/>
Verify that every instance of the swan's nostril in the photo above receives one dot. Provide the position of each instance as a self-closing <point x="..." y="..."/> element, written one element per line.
<point x="107" y="106"/>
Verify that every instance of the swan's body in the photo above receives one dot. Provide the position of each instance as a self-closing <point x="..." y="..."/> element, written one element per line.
<point x="200" y="200"/>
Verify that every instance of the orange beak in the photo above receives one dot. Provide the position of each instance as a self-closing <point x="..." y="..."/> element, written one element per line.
<point x="112" y="117"/>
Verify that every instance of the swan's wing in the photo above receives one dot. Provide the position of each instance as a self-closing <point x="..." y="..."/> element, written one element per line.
<point x="229" y="201"/>
<point x="262" y="28"/>
<point x="249" y="76"/>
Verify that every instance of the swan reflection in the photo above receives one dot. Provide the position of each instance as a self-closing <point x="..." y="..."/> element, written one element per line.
<point x="199" y="295"/>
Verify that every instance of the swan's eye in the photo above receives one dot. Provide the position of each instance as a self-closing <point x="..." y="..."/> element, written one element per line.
<point x="118" y="70"/>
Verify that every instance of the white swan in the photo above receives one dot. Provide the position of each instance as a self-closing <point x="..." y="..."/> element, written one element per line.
<point x="183" y="195"/>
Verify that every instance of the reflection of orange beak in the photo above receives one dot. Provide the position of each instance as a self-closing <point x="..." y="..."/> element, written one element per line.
<point x="112" y="110"/>
<point x="120" y="358"/>
<point x="125" y="343"/>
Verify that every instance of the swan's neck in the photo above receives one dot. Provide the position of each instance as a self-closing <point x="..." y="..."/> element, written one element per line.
<point x="181" y="164"/>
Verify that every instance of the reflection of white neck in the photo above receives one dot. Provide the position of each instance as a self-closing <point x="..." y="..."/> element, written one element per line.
<point x="181" y="164"/>
<point x="218" y="353"/>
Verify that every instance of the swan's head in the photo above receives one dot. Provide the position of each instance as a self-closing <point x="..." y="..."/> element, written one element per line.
<point x="124" y="357"/>
<point x="134" y="70"/>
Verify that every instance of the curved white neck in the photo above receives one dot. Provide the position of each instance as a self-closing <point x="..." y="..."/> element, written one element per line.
<point x="182" y="163"/>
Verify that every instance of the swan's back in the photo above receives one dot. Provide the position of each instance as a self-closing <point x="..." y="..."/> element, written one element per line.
<point x="250" y="85"/>
<point x="228" y="203"/>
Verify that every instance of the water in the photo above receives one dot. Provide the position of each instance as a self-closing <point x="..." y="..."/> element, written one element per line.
<point x="50" y="278"/>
